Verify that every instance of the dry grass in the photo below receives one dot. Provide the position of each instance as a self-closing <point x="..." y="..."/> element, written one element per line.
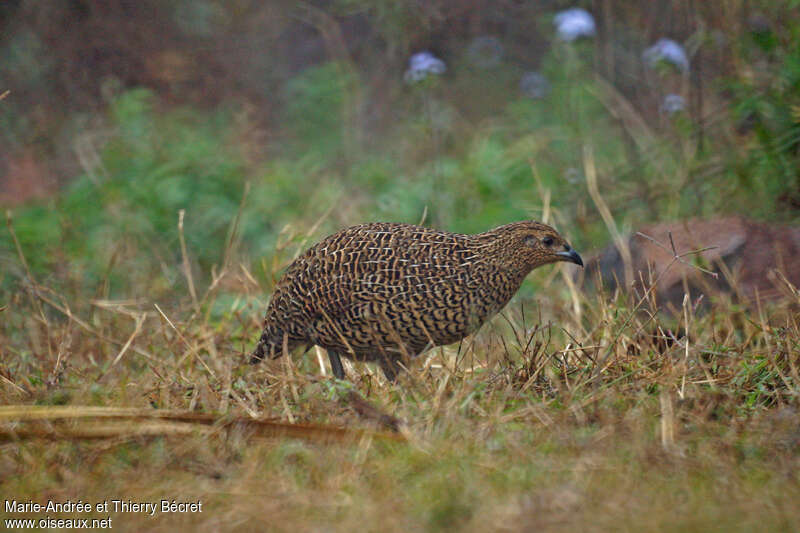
<point x="574" y="412"/>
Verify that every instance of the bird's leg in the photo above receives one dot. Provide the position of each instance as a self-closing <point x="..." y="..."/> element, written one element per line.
<point x="390" y="367"/>
<point x="261" y="350"/>
<point x="336" y="364"/>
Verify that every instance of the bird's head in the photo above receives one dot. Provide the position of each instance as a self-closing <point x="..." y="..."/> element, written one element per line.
<point x="529" y="244"/>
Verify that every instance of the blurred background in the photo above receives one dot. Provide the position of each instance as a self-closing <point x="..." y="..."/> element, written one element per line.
<point x="274" y="123"/>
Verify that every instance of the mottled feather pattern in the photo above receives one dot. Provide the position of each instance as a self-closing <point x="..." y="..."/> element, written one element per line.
<point x="387" y="290"/>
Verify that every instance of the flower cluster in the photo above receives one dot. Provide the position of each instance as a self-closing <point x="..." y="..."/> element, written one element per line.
<point x="570" y="24"/>
<point x="421" y="65"/>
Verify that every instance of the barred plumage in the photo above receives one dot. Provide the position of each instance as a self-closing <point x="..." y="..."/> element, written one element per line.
<point x="384" y="291"/>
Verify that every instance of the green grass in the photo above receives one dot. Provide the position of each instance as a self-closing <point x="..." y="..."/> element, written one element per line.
<point x="518" y="428"/>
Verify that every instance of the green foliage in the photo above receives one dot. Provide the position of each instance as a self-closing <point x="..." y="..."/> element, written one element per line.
<point x="121" y="221"/>
<point x="467" y="148"/>
<point x="767" y="107"/>
<point x="156" y="165"/>
<point x="315" y="107"/>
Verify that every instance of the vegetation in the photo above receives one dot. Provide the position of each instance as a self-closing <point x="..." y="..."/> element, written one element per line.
<point x="141" y="282"/>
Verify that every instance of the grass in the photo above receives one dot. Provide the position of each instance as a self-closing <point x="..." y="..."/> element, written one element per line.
<point x="129" y="300"/>
<point x="569" y="412"/>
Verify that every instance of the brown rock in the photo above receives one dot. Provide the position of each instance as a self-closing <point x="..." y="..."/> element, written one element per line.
<point x="747" y="256"/>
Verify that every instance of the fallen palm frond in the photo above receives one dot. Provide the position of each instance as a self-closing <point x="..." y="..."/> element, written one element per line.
<point x="370" y="412"/>
<point x="87" y="422"/>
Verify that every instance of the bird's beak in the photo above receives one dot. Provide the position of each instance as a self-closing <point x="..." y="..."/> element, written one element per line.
<point x="570" y="255"/>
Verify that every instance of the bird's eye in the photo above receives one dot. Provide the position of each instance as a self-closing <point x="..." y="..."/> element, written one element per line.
<point x="547" y="241"/>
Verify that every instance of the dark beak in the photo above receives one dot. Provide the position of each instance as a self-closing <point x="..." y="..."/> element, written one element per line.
<point x="570" y="255"/>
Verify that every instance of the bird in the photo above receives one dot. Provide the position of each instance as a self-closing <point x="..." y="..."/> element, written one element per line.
<point x="384" y="292"/>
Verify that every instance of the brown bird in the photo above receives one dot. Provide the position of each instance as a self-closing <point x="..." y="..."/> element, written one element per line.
<point x="382" y="291"/>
